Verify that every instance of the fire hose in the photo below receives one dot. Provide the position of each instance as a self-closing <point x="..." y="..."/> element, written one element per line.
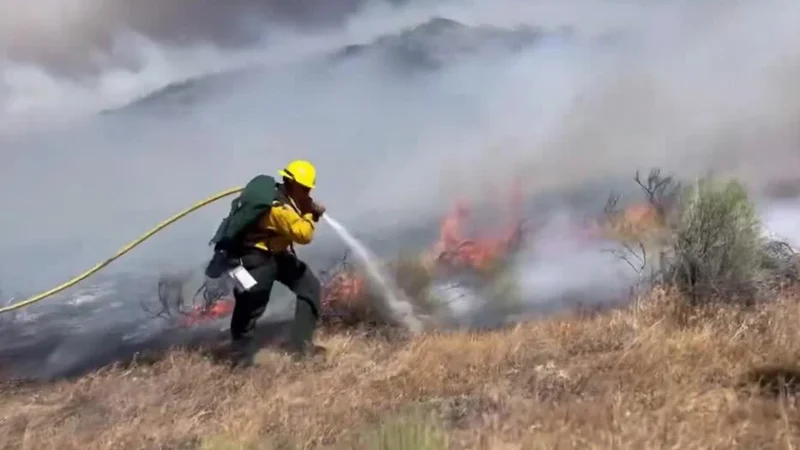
<point x="133" y="244"/>
<point x="467" y="251"/>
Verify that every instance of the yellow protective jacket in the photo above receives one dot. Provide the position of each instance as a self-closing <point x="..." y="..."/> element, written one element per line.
<point x="282" y="227"/>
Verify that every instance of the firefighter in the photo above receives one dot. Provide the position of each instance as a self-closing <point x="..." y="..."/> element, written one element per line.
<point x="269" y="256"/>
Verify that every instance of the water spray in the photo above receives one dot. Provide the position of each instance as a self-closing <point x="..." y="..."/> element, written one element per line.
<point x="397" y="302"/>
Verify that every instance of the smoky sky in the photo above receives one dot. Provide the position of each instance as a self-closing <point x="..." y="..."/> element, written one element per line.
<point x="76" y="38"/>
<point x="419" y="112"/>
<point x="686" y="86"/>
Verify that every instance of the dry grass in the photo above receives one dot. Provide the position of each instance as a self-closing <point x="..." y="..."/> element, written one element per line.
<point x="646" y="377"/>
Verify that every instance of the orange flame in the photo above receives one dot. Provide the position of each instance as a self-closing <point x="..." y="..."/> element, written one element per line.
<point x="632" y="221"/>
<point x="344" y="288"/>
<point x="480" y="253"/>
<point x="200" y="314"/>
<point x="453" y="249"/>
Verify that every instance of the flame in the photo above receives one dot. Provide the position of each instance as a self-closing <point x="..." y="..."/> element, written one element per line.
<point x="633" y="221"/>
<point x="345" y="289"/>
<point x="454" y="249"/>
<point x="481" y="253"/>
<point x="200" y="314"/>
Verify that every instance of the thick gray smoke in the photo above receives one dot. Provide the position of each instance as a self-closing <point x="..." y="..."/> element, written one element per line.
<point x="116" y="114"/>
<point x="82" y="36"/>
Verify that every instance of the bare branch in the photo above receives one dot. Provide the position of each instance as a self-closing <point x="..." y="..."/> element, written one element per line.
<point x="661" y="191"/>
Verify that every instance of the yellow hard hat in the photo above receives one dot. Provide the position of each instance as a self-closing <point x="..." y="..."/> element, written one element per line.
<point x="302" y="172"/>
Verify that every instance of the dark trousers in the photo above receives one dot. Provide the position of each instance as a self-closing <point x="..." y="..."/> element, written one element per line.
<point x="287" y="269"/>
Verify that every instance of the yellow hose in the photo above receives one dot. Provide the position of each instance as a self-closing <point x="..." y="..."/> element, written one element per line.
<point x="121" y="252"/>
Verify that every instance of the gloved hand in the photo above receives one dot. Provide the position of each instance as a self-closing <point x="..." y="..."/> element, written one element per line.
<point x="317" y="210"/>
<point x="304" y="205"/>
<point x="218" y="265"/>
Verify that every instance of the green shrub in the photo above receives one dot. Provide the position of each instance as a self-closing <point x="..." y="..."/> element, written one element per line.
<point x="716" y="249"/>
<point x="713" y="248"/>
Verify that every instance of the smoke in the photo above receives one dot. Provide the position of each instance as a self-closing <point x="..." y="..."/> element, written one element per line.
<point x="80" y="37"/>
<point x="116" y="114"/>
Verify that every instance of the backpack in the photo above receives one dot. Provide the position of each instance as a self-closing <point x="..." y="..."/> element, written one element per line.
<point x="255" y="200"/>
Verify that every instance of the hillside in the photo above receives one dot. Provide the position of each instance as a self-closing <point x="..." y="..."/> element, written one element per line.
<point x="704" y="357"/>
<point x="645" y="377"/>
<point x="428" y="46"/>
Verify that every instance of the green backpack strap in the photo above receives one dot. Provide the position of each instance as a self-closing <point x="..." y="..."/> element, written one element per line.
<point x="255" y="200"/>
<point x="220" y="233"/>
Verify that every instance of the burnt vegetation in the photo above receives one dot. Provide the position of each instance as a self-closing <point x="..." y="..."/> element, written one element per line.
<point x="705" y="358"/>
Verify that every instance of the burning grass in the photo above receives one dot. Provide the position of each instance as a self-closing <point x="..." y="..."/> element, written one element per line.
<point x="637" y="378"/>
<point x="665" y="372"/>
<point x="347" y="299"/>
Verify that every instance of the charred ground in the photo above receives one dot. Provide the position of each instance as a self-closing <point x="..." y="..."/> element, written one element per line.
<point x="681" y="366"/>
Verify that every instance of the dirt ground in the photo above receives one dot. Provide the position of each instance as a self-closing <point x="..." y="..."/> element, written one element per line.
<point x="646" y="377"/>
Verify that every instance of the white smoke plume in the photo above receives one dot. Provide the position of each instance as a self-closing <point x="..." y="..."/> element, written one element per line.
<point x="396" y="130"/>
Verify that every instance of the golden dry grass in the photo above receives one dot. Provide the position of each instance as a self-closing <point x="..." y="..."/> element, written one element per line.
<point x="646" y="377"/>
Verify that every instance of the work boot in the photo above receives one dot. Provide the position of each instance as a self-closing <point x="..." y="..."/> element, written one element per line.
<point x="242" y="353"/>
